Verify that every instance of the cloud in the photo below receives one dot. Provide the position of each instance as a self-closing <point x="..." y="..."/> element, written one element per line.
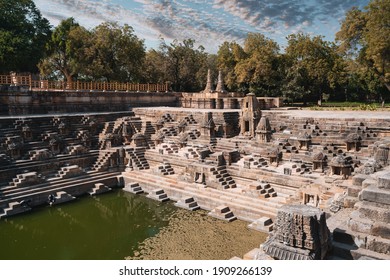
<point x="209" y="22"/>
<point x="290" y="13"/>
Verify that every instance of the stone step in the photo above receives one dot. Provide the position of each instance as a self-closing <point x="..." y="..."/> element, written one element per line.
<point x="134" y="188"/>
<point x="99" y="189"/>
<point x="263" y="224"/>
<point x="208" y="195"/>
<point x="374" y="211"/>
<point x="364" y="254"/>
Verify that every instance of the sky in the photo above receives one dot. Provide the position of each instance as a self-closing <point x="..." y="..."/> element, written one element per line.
<point x="209" y="23"/>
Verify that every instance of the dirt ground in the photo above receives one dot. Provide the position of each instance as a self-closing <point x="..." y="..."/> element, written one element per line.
<point x="196" y="236"/>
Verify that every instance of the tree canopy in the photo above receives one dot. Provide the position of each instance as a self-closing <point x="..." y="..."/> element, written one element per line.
<point x="108" y="52"/>
<point x="364" y="35"/>
<point x="23" y="35"/>
<point x="313" y="67"/>
<point x="354" y="67"/>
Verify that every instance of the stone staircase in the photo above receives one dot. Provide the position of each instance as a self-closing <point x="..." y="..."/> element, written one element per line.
<point x="85" y="120"/>
<point x="159" y="195"/>
<point x="264" y="224"/>
<point x="262" y="189"/>
<point x="133" y="187"/>
<point x="222" y="177"/>
<point x="190" y="119"/>
<point x="40" y="154"/>
<point x="167" y="148"/>
<point x="148" y="130"/>
<point x="102" y="162"/>
<point x="188" y="203"/>
<point x="165" y="169"/>
<point x="80" y="133"/>
<point x="188" y="152"/>
<point x="193" y="134"/>
<point x="169" y="131"/>
<point x="77" y="150"/>
<point x="26" y="179"/>
<point x="19" y="123"/>
<point x="99" y="189"/>
<point x="108" y="128"/>
<point x="46" y="136"/>
<point x="223" y="212"/>
<point x="207" y="198"/>
<point x="14" y="208"/>
<point x="167" y="118"/>
<point x="70" y="172"/>
<point x="137" y="155"/>
<point x="5" y="160"/>
<point x="60" y="197"/>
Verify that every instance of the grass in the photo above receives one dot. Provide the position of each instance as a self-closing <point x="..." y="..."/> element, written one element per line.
<point x="350" y="104"/>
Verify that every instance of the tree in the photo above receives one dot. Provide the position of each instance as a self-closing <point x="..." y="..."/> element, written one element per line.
<point x="155" y="67"/>
<point x="229" y="54"/>
<point x="186" y="65"/>
<point x="364" y="35"/>
<point x="259" y="66"/>
<point x="65" y="51"/>
<point x="23" y="35"/>
<point x="115" y="53"/>
<point x="313" y="67"/>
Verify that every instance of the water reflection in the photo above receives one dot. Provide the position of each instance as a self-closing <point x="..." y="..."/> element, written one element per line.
<point x="109" y="226"/>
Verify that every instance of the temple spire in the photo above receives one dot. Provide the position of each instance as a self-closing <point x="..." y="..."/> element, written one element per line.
<point x="220" y="86"/>
<point x="209" y="84"/>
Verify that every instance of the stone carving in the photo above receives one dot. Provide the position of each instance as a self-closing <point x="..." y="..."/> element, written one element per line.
<point x="300" y="233"/>
<point x="263" y="130"/>
<point x="319" y="161"/>
<point x="207" y="126"/>
<point x="341" y="165"/>
<point x="353" y="142"/>
<point x="250" y="115"/>
<point x="382" y="154"/>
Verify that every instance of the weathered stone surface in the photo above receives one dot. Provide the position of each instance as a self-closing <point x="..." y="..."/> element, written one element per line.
<point x="358" y="179"/>
<point x="300" y="233"/>
<point x="375" y="194"/>
<point x="384" y="181"/>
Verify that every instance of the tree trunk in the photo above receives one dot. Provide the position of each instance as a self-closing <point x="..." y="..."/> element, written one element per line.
<point x="68" y="80"/>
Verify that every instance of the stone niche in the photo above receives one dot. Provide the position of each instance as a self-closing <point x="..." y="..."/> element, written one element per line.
<point x="300" y="233"/>
<point x="250" y="115"/>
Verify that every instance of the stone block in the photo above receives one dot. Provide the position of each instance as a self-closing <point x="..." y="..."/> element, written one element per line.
<point x="358" y="179"/>
<point x="375" y="194"/>
<point x="353" y="191"/>
<point x="384" y="181"/>
<point x="374" y="211"/>
<point x="252" y="254"/>
<point x="381" y="229"/>
<point x="349" y="201"/>
<point x="356" y="223"/>
<point x="378" y="244"/>
<point x="369" y="182"/>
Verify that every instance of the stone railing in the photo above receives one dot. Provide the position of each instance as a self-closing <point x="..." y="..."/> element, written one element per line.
<point x="79" y="85"/>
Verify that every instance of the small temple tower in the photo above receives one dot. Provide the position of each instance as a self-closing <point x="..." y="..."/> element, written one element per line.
<point x="220" y="86"/>
<point x="250" y="115"/>
<point x="207" y="127"/>
<point x="209" y="84"/>
<point x="263" y="130"/>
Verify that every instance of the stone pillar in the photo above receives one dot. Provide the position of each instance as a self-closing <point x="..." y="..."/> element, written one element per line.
<point x="219" y="103"/>
<point x="209" y="83"/>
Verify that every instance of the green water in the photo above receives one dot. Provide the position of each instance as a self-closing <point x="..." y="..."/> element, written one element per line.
<point x="109" y="226"/>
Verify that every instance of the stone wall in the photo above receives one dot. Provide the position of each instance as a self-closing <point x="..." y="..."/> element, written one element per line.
<point x="196" y="101"/>
<point x="21" y="102"/>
